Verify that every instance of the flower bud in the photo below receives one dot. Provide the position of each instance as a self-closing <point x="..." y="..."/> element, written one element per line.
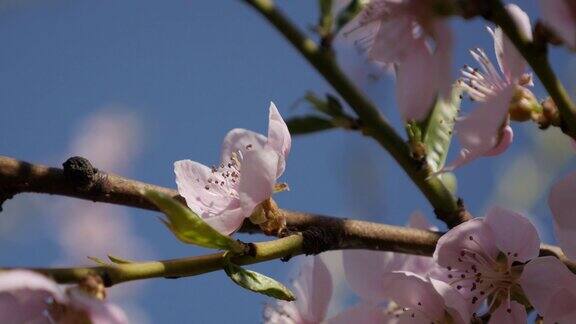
<point x="524" y="105"/>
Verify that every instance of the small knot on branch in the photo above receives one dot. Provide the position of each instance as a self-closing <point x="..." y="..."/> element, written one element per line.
<point x="321" y="239"/>
<point x="456" y="217"/>
<point x="80" y="171"/>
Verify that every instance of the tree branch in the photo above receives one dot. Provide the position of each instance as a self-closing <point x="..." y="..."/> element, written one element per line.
<point x="445" y="205"/>
<point x="536" y="55"/>
<point x="318" y="233"/>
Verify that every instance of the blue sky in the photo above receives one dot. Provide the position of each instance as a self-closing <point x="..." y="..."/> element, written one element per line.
<point x="189" y="71"/>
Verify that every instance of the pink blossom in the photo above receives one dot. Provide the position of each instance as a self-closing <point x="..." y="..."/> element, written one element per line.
<point x="551" y="289"/>
<point x="365" y="270"/>
<point x="560" y="15"/>
<point x="416" y="300"/>
<point x="486" y="131"/>
<point x="376" y="279"/>
<point x="562" y="202"/>
<point x="225" y="195"/>
<point x="484" y="257"/>
<point x="313" y="291"/>
<point x="28" y="297"/>
<point x="408" y="33"/>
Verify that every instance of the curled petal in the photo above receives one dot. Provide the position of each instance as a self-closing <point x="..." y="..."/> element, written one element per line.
<point x="514" y="313"/>
<point x="278" y="135"/>
<point x="562" y="203"/>
<point x="545" y="280"/>
<point x="506" y="139"/>
<point x="514" y="234"/>
<point x="479" y="132"/>
<point x="257" y="179"/>
<point x="560" y="15"/>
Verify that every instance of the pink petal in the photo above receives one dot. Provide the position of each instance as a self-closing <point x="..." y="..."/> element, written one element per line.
<point x="542" y="280"/>
<point x="278" y="135"/>
<point x="414" y="77"/>
<point x="458" y="238"/>
<point x="24" y="296"/>
<point x="228" y="221"/>
<point x="480" y="132"/>
<point x="562" y="202"/>
<point x="242" y="140"/>
<point x="412" y="291"/>
<point x="521" y="19"/>
<point x="419" y="221"/>
<point x="562" y="307"/>
<point x="560" y="15"/>
<point x="454" y="303"/>
<point x="514" y="234"/>
<point x="315" y="284"/>
<point x="216" y="206"/>
<point x="443" y="36"/>
<point x="365" y="271"/>
<point x="100" y="312"/>
<point x="257" y="178"/>
<point x="393" y="40"/>
<point x="505" y="142"/>
<point x="516" y="315"/>
<point x="192" y="179"/>
<point x="511" y="62"/>
<point x="362" y="313"/>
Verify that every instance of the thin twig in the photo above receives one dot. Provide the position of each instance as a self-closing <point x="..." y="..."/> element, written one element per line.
<point x="374" y="124"/>
<point x="319" y="233"/>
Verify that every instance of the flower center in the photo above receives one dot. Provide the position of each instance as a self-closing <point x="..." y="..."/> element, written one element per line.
<point x="226" y="177"/>
<point x="477" y="274"/>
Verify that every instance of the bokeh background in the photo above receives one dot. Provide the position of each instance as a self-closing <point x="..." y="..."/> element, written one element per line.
<point x="136" y="84"/>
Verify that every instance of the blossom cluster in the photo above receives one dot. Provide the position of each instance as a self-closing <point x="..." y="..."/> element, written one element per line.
<point x="487" y="267"/>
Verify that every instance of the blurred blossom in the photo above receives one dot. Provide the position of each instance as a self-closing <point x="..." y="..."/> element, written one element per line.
<point x="409" y="35"/>
<point x="28" y="297"/>
<point x="313" y="291"/>
<point x="110" y="140"/>
<point x="560" y="15"/>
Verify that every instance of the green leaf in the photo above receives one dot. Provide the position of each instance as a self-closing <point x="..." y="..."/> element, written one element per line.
<point x="326" y="20"/>
<point x="97" y="260"/>
<point x="189" y="227"/>
<point x="119" y="260"/>
<point x="257" y="282"/>
<point x="348" y="13"/>
<point x="438" y="129"/>
<point x="330" y="106"/>
<point x="308" y="124"/>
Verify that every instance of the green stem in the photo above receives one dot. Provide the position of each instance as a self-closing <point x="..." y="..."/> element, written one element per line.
<point x="117" y="273"/>
<point x="536" y="55"/>
<point x="374" y="124"/>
